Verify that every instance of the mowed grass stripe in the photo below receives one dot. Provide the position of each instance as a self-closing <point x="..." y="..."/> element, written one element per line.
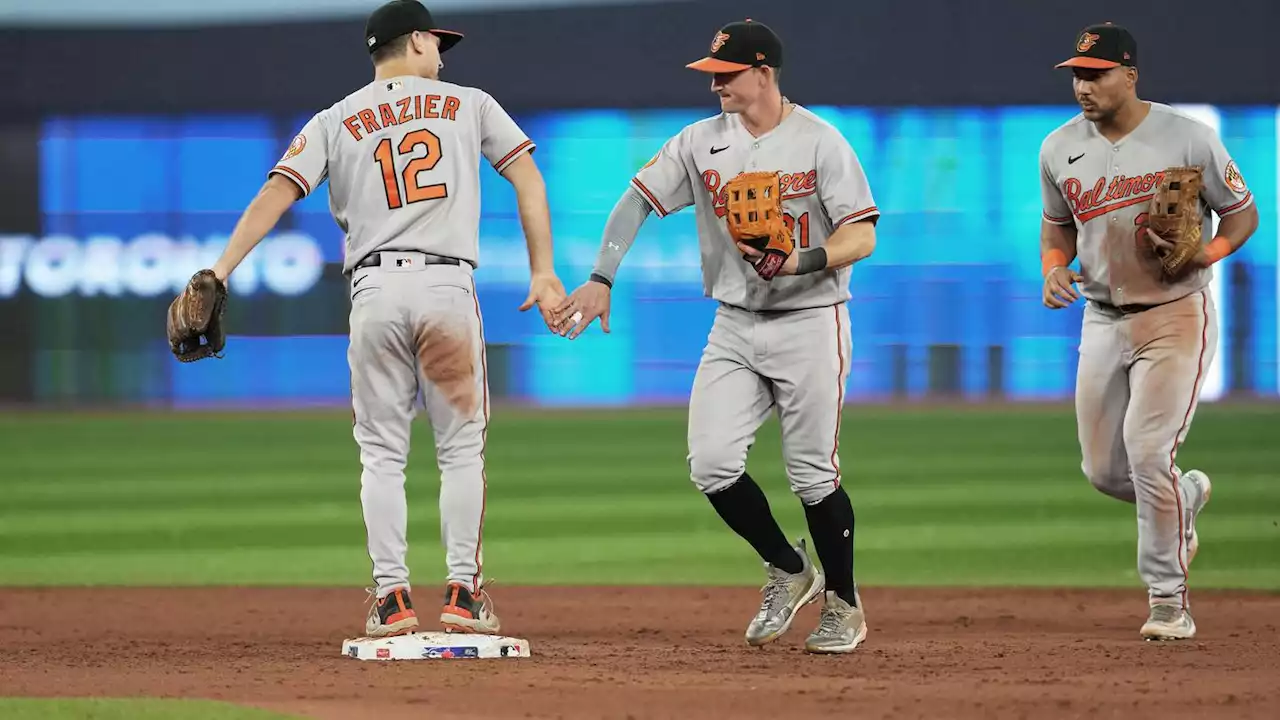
<point x="617" y="529"/>
<point x="178" y="509"/>
<point x="943" y="507"/>
<point x="129" y="709"/>
<point x="76" y="501"/>
<point x="685" y="558"/>
<point x="909" y="531"/>
<point x="188" y="523"/>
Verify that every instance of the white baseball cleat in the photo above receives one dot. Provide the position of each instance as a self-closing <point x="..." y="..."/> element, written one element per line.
<point x="841" y="627"/>
<point x="1169" y="622"/>
<point x="1196" y="489"/>
<point x="784" y="595"/>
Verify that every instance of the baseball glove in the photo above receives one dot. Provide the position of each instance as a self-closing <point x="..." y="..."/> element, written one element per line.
<point x="1175" y="216"/>
<point x="753" y="204"/>
<point x="196" y="314"/>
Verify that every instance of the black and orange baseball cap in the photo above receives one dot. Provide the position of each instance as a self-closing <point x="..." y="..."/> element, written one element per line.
<point x="739" y="46"/>
<point x="1102" y="47"/>
<point x="401" y="17"/>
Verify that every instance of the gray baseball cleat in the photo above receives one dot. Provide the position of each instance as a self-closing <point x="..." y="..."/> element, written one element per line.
<point x="1169" y="622"/>
<point x="1196" y="489"/>
<point x="841" y="627"/>
<point x="784" y="594"/>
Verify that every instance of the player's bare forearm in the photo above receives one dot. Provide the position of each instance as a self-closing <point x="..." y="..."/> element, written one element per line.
<point x="850" y="243"/>
<point x="266" y="209"/>
<point x="1238" y="228"/>
<point x="535" y="216"/>
<point x="1233" y="231"/>
<point x="1057" y="250"/>
<point x="1057" y="244"/>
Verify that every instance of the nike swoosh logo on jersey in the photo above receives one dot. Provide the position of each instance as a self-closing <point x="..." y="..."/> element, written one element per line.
<point x="715" y="149"/>
<point x="1071" y="160"/>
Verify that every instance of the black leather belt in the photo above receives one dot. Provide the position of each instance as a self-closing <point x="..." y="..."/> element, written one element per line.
<point x="1123" y="309"/>
<point x="375" y="259"/>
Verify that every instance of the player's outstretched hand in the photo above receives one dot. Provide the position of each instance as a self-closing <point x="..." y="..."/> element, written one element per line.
<point x="1058" y="292"/>
<point x="547" y="292"/>
<point x="588" y="302"/>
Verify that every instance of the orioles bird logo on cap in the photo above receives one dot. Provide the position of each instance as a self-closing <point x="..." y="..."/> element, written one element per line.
<point x="1086" y="41"/>
<point x="719" y="41"/>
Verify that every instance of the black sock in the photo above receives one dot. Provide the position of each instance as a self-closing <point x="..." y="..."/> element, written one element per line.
<point x="831" y="525"/>
<point x="745" y="509"/>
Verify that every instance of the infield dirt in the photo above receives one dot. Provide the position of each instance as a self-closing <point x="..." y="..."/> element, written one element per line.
<point x="653" y="652"/>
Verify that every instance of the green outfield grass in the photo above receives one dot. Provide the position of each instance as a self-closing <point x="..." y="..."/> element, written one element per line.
<point x="129" y="710"/>
<point x="959" y="496"/>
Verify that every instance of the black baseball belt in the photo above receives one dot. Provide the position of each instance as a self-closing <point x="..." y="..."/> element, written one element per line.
<point x="1124" y="309"/>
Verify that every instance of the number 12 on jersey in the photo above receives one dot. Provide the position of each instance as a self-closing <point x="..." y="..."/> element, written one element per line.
<point x="413" y="190"/>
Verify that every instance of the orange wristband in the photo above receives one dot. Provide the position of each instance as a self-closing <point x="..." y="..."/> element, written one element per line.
<point x="1052" y="259"/>
<point x="1217" y="249"/>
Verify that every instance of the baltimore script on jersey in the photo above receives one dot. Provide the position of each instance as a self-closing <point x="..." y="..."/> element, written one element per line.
<point x="1119" y="193"/>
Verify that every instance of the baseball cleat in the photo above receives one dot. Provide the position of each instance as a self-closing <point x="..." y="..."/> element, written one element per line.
<point x="841" y="627"/>
<point x="391" y="615"/>
<point x="1169" y="622"/>
<point x="1196" y="488"/>
<point x="466" y="613"/>
<point x="784" y="594"/>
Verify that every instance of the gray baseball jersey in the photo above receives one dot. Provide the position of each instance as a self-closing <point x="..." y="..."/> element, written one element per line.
<point x="795" y="361"/>
<point x="1104" y="188"/>
<point x="1141" y="370"/>
<point x="402" y="159"/>
<point x="823" y="187"/>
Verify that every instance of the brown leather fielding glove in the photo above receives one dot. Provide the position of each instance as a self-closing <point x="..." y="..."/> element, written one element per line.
<point x="1176" y="216"/>
<point x="197" y="314"/>
<point x="753" y="204"/>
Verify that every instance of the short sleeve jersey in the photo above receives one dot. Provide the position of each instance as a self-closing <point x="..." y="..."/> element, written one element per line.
<point x="1105" y="189"/>
<point x="823" y="188"/>
<point x="402" y="158"/>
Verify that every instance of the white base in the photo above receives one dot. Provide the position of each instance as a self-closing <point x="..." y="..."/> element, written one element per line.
<point x="435" y="646"/>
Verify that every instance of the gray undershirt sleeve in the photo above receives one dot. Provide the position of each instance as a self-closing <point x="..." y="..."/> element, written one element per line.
<point x="620" y="231"/>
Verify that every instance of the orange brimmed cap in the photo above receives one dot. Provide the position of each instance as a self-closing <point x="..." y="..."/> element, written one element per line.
<point x="1102" y="47"/>
<point x="741" y="45"/>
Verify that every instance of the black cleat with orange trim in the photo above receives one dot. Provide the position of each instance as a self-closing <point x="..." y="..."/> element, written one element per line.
<point x="465" y="612"/>
<point x="392" y="615"/>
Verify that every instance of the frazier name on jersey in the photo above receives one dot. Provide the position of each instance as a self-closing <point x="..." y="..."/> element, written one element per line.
<point x="406" y="109"/>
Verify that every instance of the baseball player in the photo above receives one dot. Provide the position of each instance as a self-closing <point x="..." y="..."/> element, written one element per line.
<point x="779" y="344"/>
<point x="402" y="155"/>
<point x="1147" y="339"/>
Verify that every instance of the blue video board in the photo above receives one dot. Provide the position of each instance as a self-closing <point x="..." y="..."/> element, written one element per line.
<point x="130" y="206"/>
